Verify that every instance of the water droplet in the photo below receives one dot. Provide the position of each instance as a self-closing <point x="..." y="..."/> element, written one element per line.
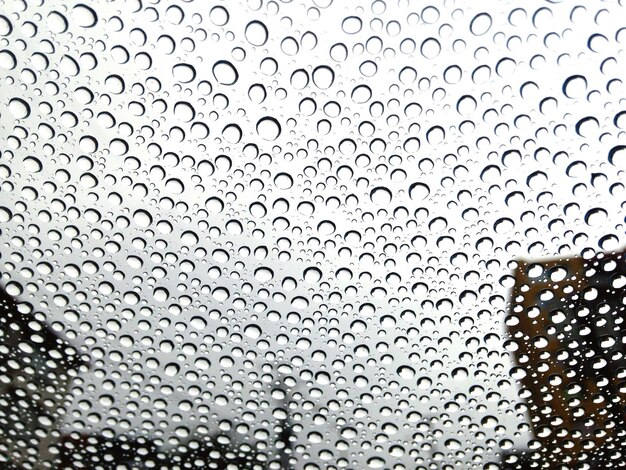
<point x="19" y="108"/>
<point x="142" y="218"/>
<point x="225" y="72"/>
<point x="268" y="128"/>
<point x="256" y="33"/>
<point x="219" y="15"/>
<point x="481" y="24"/>
<point x="57" y="22"/>
<point x="84" y="16"/>
<point x="323" y="77"/>
<point x="351" y="25"/>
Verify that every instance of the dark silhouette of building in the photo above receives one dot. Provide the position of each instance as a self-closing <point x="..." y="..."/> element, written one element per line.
<point x="96" y="451"/>
<point x="567" y="319"/>
<point x="216" y="451"/>
<point x="36" y="367"/>
<point x="284" y="443"/>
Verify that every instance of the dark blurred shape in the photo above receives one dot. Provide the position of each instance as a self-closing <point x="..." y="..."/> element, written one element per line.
<point x="97" y="451"/>
<point x="286" y="434"/>
<point x="36" y="367"/>
<point x="113" y="452"/>
<point x="219" y="450"/>
<point x="567" y="322"/>
<point x="519" y="461"/>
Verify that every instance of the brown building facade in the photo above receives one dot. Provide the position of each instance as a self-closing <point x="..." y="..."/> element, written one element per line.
<point x="567" y="320"/>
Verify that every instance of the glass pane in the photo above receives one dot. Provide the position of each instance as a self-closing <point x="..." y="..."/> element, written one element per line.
<point x="284" y="234"/>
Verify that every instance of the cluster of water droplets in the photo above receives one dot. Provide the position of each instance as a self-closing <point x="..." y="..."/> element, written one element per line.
<point x="209" y="197"/>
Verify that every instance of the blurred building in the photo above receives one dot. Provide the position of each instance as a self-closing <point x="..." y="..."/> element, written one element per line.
<point x="36" y="367"/>
<point x="77" y="450"/>
<point x="100" y="451"/>
<point x="567" y="322"/>
<point x="218" y="450"/>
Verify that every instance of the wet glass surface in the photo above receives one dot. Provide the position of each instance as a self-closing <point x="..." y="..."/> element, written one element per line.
<point x="312" y="234"/>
